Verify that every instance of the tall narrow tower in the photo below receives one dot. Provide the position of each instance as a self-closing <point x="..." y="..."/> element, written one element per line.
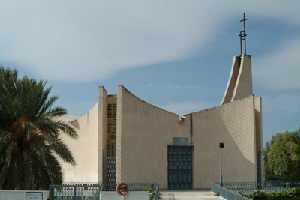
<point x="239" y="84"/>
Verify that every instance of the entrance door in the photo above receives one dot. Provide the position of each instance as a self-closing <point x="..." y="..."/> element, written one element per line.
<point x="180" y="167"/>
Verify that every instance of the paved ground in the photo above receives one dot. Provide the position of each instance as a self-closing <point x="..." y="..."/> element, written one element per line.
<point x="189" y="195"/>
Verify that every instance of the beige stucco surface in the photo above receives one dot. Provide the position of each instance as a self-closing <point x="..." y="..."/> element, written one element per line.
<point x="231" y="83"/>
<point x="239" y="84"/>
<point x="102" y="133"/>
<point x="243" y="87"/>
<point x="233" y="124"/>
<point x="84" y="149"/>
<point x="259" y="134"/>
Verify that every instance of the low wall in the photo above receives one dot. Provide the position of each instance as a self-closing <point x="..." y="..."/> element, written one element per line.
<point x="24" y="194"/>
<point x="131" y="196"/>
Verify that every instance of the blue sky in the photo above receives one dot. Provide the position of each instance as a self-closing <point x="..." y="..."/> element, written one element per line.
<point x="175" y="54"/>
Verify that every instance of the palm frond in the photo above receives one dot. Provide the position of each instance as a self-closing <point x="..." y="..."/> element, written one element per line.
<point x="63" y="151"/>
<point x="66" y="129"/>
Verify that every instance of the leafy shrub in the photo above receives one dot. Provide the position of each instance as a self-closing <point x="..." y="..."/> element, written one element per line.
<point x="151" y="192"/>
<point x="290" y="194"/>
<point x="260" y="196"/>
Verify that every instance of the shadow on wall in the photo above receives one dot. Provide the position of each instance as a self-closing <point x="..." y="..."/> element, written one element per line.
<point x="234" y="125"/>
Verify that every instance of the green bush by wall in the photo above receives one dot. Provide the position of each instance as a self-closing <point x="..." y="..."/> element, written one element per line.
<point x="290" y="194"/>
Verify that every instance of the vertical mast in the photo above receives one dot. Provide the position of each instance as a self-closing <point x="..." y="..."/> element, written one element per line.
<point x="243" y="35"/>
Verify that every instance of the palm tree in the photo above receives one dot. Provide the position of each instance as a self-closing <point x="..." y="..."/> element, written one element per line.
<point x="30" y="134"/>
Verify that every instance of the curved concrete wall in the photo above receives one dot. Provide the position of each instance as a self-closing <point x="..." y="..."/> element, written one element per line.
<point x="144" y="132"/>
<point x="84" y="149"/>
<point x="233" y="124"/>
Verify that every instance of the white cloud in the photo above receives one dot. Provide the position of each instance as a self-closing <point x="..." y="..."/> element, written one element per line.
<point x="84" y="40"/>
<point x="185" y="107"/>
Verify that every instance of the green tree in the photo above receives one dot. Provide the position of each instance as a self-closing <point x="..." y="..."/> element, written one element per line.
<point x="30" y="134"/>
<point x="268" y="172"/>
<point x="282" y="156"/>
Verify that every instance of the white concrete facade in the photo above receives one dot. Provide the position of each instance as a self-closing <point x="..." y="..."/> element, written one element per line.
<point x="142" y="133"/>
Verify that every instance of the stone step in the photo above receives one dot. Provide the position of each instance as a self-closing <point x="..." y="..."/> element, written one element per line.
<point x="188" y="195"/>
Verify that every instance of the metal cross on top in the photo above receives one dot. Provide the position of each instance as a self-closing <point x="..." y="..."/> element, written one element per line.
<point x="243" y="35"/>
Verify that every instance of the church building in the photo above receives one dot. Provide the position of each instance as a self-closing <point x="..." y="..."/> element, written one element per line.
<point x="123" y="138"/>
